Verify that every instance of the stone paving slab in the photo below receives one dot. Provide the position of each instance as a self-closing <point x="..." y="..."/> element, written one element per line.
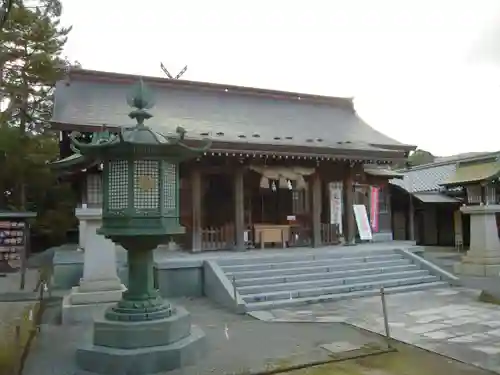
<point x="447" y="321"/>
<point x="237" y="344"/>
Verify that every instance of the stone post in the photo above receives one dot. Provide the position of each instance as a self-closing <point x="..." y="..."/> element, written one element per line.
<point x="483" y="258"/>
<point x="100" y="283"/>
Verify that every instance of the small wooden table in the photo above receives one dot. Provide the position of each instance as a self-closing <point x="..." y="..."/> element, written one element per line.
<point x="271" y="233"/>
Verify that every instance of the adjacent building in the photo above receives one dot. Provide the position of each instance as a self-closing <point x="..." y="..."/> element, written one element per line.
<point x="429" y="198"/>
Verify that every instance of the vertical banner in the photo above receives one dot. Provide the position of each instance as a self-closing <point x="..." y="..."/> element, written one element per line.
<point x="336" y="204"/>
<point x="374" y="207"/>
<point x="365" y="233"/>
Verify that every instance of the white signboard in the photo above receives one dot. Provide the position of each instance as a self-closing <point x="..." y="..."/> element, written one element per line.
<point x="336" y="204"/>
<point x="364" y="229"/>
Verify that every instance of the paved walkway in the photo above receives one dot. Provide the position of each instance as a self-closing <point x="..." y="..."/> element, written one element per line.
<point x="238" y="344"/>
<point x="446" y="321"/>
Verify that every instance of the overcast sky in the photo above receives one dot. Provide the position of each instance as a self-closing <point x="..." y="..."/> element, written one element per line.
<point x="425" y="72"/>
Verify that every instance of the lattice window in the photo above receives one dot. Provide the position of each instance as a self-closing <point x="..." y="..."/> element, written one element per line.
<point x="474" y="194"/>
<point x="490" y="194"/>
<point x="300" y="201"/>
<point x="170" y="186"/>
<point x="94" y="190"/>
<point x="118" y="185"/>
<point x="146" y="193"/>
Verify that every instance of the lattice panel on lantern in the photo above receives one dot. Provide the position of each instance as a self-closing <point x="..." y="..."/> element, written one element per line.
<point x="118" y="185"/>
<point x="170" y="186"/>
<point x="94" y="190"/>
<point x="146" y="193"/>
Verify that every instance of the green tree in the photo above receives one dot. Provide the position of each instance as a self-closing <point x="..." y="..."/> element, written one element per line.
<point x="24" y="161"/>
<point x="31" y="62"/>
<point x="417" y="157"/>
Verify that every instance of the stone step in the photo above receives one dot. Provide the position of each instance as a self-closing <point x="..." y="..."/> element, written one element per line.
<point x="336" y="289"/>
<point x="278" y="279"/>
<point x="278" y="264"/>
<point x="299" y="256"/>
<point x="323" y="298"/>
<point x="315" y="284"/>
<point x="330" y="266"/>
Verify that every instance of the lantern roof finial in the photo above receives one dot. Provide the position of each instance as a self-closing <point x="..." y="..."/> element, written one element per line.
<point x="141" y="99"/>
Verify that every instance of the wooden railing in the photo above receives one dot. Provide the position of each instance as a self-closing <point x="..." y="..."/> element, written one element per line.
<point x="223" y="238"/>
<point x="330" y="234"/>
<point x="299" y="236"/>
<point x="217" y="238"/>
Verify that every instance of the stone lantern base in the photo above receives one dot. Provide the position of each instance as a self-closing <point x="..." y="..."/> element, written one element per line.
<point x="483" y="258"/>
<point x="143" y="347"/>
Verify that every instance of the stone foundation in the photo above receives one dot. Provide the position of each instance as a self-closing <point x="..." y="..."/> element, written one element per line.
<point x="483" y="258"/>
<point x="146" y="347"/>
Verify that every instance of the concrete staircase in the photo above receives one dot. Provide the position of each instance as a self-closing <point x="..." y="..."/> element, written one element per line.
<point x="268" y="282"/>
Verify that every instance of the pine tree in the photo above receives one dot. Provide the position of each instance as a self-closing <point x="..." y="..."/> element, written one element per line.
<point x="31" y="62"/>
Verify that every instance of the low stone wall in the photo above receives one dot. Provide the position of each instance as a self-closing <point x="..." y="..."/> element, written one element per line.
<point x="174" y="278"/>
<point x="68" y="268"/>
<point x="180" y="278"/>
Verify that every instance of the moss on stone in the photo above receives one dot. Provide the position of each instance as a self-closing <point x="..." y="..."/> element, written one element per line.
<point x="406" y="361"/>
<point x="489" y="298"/>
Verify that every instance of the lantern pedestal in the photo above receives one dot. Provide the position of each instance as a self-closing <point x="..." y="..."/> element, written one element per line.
<point x="142" y="333"/>
<point x="144" y="347"/>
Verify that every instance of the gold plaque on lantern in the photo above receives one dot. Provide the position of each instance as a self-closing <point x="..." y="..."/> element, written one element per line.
<point x="146" y="183"/>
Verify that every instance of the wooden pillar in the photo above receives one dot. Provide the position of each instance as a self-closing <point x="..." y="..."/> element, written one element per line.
<point x="239" y="209"/>
<point x="411" y="218"/>
<point x="316" y="209"/>
<point x="350" y="222"/>
<point x="196" y="209"/>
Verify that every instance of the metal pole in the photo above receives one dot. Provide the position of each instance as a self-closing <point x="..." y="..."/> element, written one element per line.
<point x="386" y="319"/>
<point x="234" y="290"/>
<point x="24" y="254"/>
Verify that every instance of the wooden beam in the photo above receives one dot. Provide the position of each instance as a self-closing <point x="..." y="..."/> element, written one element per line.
<point x="316" y="209"/>
<point x="196" y="207"/>
<point x="350" y="222"/>
<point x="239" y="209"/>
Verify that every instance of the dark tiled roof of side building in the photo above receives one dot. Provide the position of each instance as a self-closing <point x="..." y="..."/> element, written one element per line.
<point x="429" y="177"/>
<point x="222" y="112"/>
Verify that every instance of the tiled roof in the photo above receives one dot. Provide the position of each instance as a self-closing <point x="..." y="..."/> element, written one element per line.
<point x="430" y="177"/>
<point x="226" y="115"/>
<point x="474" y="172"/>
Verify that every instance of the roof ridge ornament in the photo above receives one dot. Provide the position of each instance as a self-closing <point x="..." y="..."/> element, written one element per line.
<point x="99" y="138"/>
